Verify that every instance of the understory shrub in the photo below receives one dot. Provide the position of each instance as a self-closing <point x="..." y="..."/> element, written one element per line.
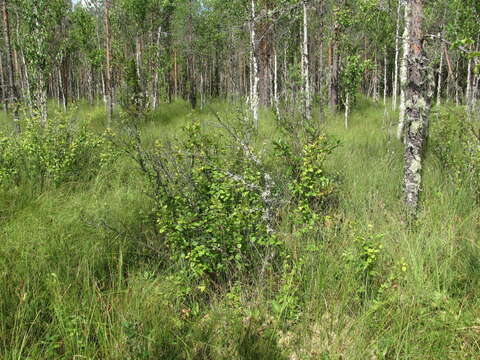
<point x="60" y="151"/>
<point x="217" y="203"/>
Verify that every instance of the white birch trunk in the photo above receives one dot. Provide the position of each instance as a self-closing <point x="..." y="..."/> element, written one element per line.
<point x="375" y="82"/>
<point x="397" y="54"/>
<point x="255" y="76"/>
<point x="347" y="109"/>
<point x="275" y="81"/>
<point x="156" y="75"/>
<point x="439" y="82"/>
<point x="457" y="87"/>
<point x="403" y="71"/>
<point x="468" y="91"/>
<point x="385" y="80"/>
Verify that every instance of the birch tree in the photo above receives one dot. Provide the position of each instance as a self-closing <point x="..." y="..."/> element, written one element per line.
<point x="397" y="53"/>
<point x="108" y="59"/>
<point x="254" y="101"/>
<point x="403" y="69"/>
<point x="12" y="92"/>
<point x="305" y="66"/>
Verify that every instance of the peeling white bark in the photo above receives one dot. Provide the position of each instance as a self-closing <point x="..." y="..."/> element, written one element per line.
<point x="403" y="71"/>
<point x="254" y="101"/>
<point x="397" y="54"/>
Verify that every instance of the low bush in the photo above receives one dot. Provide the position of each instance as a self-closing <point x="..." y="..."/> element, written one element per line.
<point x="61" y="151"/>
<point x="217" y="204"/>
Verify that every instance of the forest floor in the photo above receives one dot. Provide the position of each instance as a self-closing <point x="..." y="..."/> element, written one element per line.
<point x="71" y="290"/>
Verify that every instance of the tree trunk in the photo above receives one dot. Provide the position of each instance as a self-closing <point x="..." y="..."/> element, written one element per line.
<point x="397" y="53"/>
<point x="156" y="75"/>
<point x="468" y="90"/>
<point x="192" y="91"/>
<point x="305" y="66"/>
<point x="333" y="59"/>
<point x="417" y="99"/>
<point x="457" y="87"/>
<point x="376" y="94"/>
<point x="108" y="77"/>
<point x="347" y="109"/>
<point x="403" y="70"/>
<point x="254" y="101"/>
<point x="385" y="80"/>
<point x="12" y="88"/>
<point x="439" y="82"/>
<point x="3" y="86"/>
<point x="275" y="82"/>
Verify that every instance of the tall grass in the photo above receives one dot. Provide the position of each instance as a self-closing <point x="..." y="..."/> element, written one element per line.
<point x="78" y="280"/>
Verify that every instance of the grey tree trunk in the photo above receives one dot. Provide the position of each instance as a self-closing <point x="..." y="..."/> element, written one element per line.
<point x="3" y="86"/>
<point x="12" y="88"/>
<point x="417" y="101"/>
<point x="26" y="92"/>
<point x="333" y="88"/>
<point x="305" y="66"/>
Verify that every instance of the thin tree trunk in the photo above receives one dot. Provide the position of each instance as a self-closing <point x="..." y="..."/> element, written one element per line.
<point x="305" y="66"/>
<point x="275" y="81"/>
<point x="12" y="91"/>
<point x="61" y="90"/>
<point x="3" y="86"/>
<point x="175" y="80"/>
<point x="285" y="72"/>
<point x="397" y="54"/>
<point x="403" y="70"/>
<point x="202" y="91"/>
<point x="375" y="81"/>
<point x="90" y="85"/>
<point x="26" y="84"/>
<point x="385" y="87"/>
<point x="385" y="80"/>
<point x="108" y="77"/>
<point x="321" y="87"/>
<point x="468" y="91"/>
<point x="333" y="59"/>
<point x="439" y="82"/>
<point x="347" y="109"/>
<point x="255" y="77"/>
<point x="417" y="98"/>
<point x="192" y="91"/>
<point x="138" y="60"/>
<point x="156" y="75"/>
<point x="457" y="87"/>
